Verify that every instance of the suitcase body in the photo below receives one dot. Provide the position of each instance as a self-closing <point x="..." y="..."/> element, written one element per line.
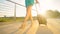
<point x="41" y="19"/>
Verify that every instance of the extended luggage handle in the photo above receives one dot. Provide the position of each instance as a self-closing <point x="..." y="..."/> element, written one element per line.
<point x="37" y="8"/>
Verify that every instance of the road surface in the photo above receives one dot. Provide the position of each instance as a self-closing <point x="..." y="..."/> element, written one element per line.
<point x="51" y="28"/>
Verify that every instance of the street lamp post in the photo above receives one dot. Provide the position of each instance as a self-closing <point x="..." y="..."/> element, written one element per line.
<point x="15" y="12"/>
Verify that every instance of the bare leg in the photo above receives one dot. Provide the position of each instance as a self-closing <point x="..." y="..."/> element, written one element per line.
<point x="27" y="17"/>
<point x="30" y="15"/>
<point x="31" y="18"/>
<point x="23" y="26"/>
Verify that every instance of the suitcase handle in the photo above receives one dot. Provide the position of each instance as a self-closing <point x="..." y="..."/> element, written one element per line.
<point x="37" y="8"/>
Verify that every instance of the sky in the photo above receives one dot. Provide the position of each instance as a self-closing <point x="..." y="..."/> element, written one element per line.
<point x="21" y="11"/>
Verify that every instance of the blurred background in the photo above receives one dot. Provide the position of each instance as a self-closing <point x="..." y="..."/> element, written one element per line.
<point x="13" y="12"/>
<point x="16" y="8"/>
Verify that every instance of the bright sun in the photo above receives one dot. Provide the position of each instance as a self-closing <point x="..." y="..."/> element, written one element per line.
<point x="39" y="9"/>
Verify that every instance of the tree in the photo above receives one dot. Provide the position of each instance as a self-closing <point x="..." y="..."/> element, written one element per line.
<point x="53" y="14"/>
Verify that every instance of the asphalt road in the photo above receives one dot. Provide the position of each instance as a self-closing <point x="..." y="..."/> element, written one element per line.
<point x="52" y="27"/>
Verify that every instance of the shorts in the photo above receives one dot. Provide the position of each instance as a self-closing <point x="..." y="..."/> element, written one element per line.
<point x="29" y="2"/>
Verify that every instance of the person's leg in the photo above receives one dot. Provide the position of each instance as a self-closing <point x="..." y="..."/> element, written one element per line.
<point x="30" y="14"/>
<point x="23" y="26"/>
<point x="31" y="18"/>
<point x="27" y="16"/>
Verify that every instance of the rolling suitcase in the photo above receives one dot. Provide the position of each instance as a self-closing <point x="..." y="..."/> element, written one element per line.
<point x="41" y="19"/>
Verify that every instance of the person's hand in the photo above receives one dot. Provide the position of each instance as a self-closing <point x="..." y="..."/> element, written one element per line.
<point x="37" y="2"/>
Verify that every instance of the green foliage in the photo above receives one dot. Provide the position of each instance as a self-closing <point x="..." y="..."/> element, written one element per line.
<point x="11" y="19"/>
<point x="53" y="14"/>
<point x="2" y="20"/>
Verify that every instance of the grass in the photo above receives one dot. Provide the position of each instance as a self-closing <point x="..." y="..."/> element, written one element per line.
<point x="11" y="19"/>
<point x="8" y="20"/>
